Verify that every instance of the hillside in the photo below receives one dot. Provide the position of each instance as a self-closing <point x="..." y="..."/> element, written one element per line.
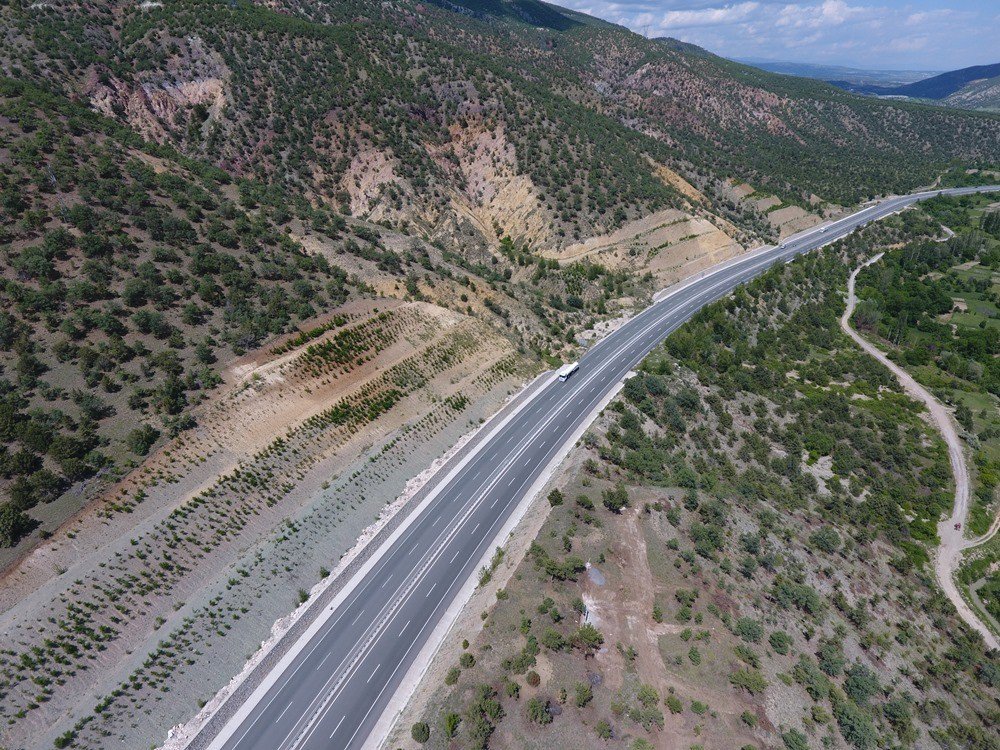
<point x="847" y="75"/>
<point x="133" y="277"/>
<point x="450" y="130"/>
<point x="262" y="263"/>
<point x="127" y="274"/>
<point x="947" y="84"/>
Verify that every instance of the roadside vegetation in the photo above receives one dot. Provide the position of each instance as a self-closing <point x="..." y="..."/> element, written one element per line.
<point x="129" y="273"/>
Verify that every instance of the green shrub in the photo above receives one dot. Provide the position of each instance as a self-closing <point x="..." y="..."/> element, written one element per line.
<point x="420" y="732"/>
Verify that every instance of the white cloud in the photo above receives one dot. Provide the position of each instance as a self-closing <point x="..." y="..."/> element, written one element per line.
<point x="914" y="34"/>
<point x="924" y="16"/>
<point x="729" y="14"/>
<point x="825" y="15"/>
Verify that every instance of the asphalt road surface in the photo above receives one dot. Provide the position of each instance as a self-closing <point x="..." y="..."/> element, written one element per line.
<point x="333" y="692"/>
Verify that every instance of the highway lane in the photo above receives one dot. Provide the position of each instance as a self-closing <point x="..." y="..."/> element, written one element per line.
<point x="333" y="692"/>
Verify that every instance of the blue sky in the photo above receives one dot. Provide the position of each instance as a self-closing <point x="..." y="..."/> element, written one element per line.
<point x="888" y="34"/>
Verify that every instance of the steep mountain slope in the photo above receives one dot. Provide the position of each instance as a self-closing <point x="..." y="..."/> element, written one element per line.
<point x="473" y="119"/>
<point x="126" y="274"/>
<point x="132" y="277"/>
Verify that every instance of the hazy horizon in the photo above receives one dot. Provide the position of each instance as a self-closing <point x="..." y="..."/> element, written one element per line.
<point x="889" y="35"/>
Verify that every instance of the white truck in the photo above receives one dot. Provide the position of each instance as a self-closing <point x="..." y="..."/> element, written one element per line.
<point x="566" y="370"/>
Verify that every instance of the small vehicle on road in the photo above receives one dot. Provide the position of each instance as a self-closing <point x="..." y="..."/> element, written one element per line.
<point x="566" y="370"/>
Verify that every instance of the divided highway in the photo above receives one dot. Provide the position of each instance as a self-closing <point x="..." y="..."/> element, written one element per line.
<point x="331" y="693"/>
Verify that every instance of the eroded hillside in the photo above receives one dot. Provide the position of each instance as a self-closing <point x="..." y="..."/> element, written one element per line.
<point x="469" y="121"/>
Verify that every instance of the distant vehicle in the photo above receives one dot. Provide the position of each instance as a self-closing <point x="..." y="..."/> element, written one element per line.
<point x="822" y="229"/>
<point x="958" y="527"/>
<point x="566" y="370"/>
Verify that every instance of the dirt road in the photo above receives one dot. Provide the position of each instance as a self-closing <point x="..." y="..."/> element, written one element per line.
<point x="949" y="554"/>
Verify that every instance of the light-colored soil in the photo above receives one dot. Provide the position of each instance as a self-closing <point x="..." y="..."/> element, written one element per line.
<point x="670" y="177"/>
<point x="792" y="219"/>
<point x="233" y="567"/>
<point x="670" y="244"/>
<point x="953" y="542"/>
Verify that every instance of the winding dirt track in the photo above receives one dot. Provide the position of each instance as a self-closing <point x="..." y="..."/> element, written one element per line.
<point x="949" y="553"/>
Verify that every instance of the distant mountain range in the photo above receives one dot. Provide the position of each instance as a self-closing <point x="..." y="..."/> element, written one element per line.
<point x="841" y="73"/>
<point x="975" y="87"/>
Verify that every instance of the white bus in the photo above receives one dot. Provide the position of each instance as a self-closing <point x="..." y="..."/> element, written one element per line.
<point x="566" y="370"/>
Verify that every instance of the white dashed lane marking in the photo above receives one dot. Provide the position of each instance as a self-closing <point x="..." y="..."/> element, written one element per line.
<point x="337" y="727"/>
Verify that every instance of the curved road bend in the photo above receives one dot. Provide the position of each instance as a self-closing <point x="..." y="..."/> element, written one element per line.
<point x="332" y="693"/>
<point x="953" y="542"/>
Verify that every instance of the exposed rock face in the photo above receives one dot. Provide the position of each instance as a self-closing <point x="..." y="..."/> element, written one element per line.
<point x="160" y="105"/>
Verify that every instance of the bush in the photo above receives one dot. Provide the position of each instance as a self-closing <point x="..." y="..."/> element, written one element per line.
<point x="647" y="695"/>
<point x="795" y="740"/>
<point x="674" y="704"/>
<point x="750" y="680"/>
<point x="420" y="732"/>
<point x="855" y="725"/>
<point x="552" y="639"/>
<point x="831" y="657"/>
<point x="533" y="679"/>
<point x="538" y="711"/>
<point x="141" y="439"/>
<point x="555" y="498"/>
<point x="13" y="525"/>
<point x="450" y="724"/>
<point x="780" y="641"/>
<point x="587" y="638"/>
<point x="603" y="730"/>
<point x="825" y="539"/>
<point x="749" y="629"/>
<point x="452" y="677"/>
<point x="617" y="499"/>
<point x="861" y="684"/>
<point x="467" y="660"/>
